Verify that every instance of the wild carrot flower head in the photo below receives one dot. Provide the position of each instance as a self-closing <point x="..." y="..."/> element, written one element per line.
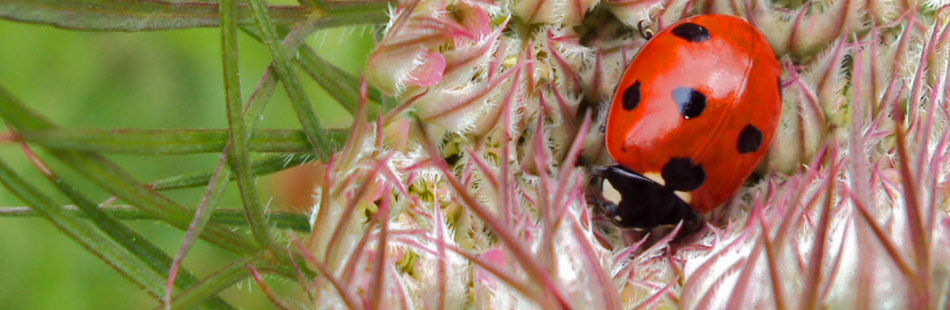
<point x="500" y="110"/>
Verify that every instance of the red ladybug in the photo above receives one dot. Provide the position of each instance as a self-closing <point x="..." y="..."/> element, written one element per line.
<point x="691" y="119"/>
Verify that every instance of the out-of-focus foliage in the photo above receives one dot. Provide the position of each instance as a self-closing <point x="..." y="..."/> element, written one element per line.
<point x="145" y="80"/>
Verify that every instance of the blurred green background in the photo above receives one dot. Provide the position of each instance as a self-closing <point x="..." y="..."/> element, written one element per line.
<point x="150" y="80"/>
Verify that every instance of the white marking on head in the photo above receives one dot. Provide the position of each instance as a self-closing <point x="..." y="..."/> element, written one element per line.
<point x="685" y="196"/>
<point x="656" y="177"/>
<point x="610" y="193"/>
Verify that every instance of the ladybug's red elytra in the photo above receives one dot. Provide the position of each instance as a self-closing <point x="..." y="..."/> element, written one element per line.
<point x="693" y="116"/>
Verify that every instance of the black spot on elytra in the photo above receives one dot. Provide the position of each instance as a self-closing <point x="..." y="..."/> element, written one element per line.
<point x="691" y="101"/>
<point x="692" y="32"/>
<point x="682" y="174"/>
<point x="750" y="139"/>
<point x="631" y="96"/>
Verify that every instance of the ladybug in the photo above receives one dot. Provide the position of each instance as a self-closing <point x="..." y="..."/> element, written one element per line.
<point x="693" y="116"/>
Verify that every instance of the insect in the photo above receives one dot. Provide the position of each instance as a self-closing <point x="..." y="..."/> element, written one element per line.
<point x="693" y="116"/>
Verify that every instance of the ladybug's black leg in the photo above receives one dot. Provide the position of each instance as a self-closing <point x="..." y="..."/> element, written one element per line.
<point x="595" y="194"/>
<point x="644" y="203"/>
<point x="597" y="199"/>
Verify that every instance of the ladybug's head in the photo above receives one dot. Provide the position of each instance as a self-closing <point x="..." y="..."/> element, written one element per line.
<point x="644" y="203"/>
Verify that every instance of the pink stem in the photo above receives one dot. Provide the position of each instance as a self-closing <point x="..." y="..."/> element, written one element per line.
<point x="266" y="288"/>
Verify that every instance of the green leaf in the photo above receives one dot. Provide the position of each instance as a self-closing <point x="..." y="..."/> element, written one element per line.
<point x="126" y="15"/>
<point x="169" y="141"/>
<point x="113" y="254"/>
<point x="229" y="217"/>
<point x="117" y="181"/>
<point x="264" y="166"/>
<point x="286" y="73"/>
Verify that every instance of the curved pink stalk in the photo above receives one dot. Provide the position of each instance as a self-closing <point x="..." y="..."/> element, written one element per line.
<point x="404" y="14"/>
<point x="836" y="265"/>
<point x="301" y="278"/>
<point x="266" y="288"/>
<point x="507" y="237"/>
<point x="442" y="257"/>
<point x="349" y="269"/>
<point x="508" y="187"/>
<point x="611" y="296"/>
<point x="562" y="102"/>
<point x="812" y="297"/>
<point x="404" y="298"/>
<point x="9" y="137"/>
<point x="541" y="159"/>
<point x="656" y="297"/>
<point x="348" y="299"/>
<point x="489" y="173"/>
<point x="351" y="207"/>
<point x="800" y="190"/>
<point x="920" y="237"/>
<point x="567" y="171"/>
<point x="692" y="289"/>
<point x="478" y="96"/>
<point x="705" y="299"/>
<point x="738" y="297"/>
<point x="919" y="80"/>
<point x="902" y="48"/>
<point x="924" y="155"/>
<point x="778" y="291"/>
<point x="569" y="70"/>
<point x="511" y="280"/>
<point x="382" y="260"/>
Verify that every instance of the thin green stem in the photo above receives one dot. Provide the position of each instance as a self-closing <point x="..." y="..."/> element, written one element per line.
<point x="250" y="115"/>
<point x="124" y="15"/>
<point x="342" y="86"/>
<point x="229" y="217"/>
<point x="365" y="6"/>
<point x="286" y="73"/>
<point x="215" y="283"/>
<point x="264" y="166"/>
<point x="339" y="84"/>
<point x="169" y="141"/>
<point x="239" y="157"/>
<point x="208" y="202"/>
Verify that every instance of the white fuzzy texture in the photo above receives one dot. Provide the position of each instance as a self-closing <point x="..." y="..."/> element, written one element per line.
<point x="592" y="264"/>
<point x="565" y="12"/>
<point x="633" y="12"/>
